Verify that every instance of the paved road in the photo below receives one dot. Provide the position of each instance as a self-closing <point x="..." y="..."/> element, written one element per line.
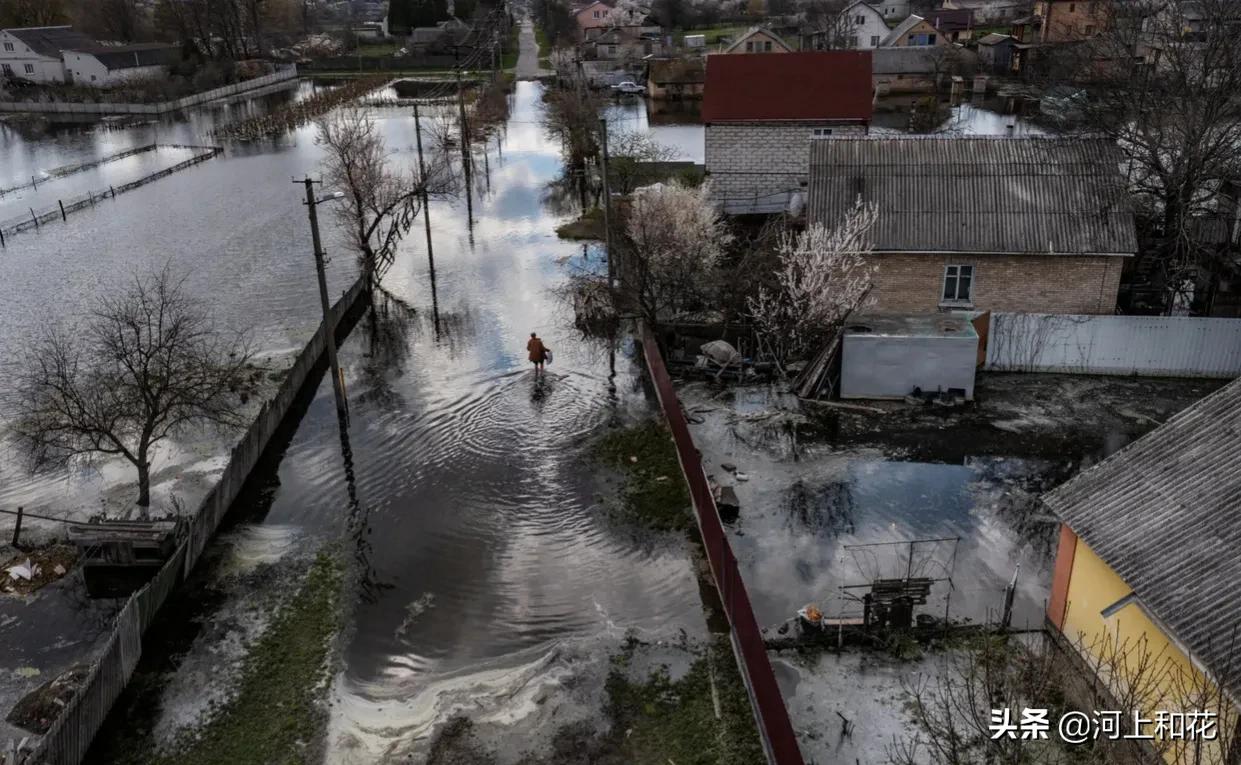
<point x="528" y="54"/>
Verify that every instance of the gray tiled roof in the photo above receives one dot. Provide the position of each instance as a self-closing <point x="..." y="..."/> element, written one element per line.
<point x="984" y="194"/>
<point x="50" y="41"/>
<point x="1165" y="514"/>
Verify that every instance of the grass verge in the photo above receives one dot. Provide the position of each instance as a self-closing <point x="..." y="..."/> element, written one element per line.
<point x="589" y="226"/>
<point x="276" y="715"/>
<point x="668" y="720"/>
<point x="654" y="493"/>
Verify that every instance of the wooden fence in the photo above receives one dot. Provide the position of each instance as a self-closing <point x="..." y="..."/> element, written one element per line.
<point x="770" y="713"/>
<point x="37" y="218"/>
<point x="70" y="736"/>
<point x="58" y="107"/>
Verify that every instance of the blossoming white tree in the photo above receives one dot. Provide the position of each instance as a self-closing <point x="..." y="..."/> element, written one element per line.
<point x="823" y="276"/>
<point x="676" y="238"/>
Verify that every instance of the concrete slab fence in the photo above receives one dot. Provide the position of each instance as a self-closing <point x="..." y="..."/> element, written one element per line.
<point x="1152" y="346"/>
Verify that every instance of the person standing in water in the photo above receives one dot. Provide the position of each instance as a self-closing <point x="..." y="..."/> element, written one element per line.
<point x="538" y="352"/>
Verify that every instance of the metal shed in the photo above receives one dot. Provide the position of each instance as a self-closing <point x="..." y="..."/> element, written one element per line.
<point x="888" y="356"/>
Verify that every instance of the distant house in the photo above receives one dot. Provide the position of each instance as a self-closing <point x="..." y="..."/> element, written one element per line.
<point x="761" y="114"/>
<point x="913" y="31"/>
<point x="623" y="44"/>
<point x="676" y="79"/>
<point x="991" y="12"/>
<point x="995" y="52"/>
<point x="956" y="25"/>
<point x="758" y="40"/>
<point x="864" y="26"/>
<point x="592" y="16"/>
<point x="1147" y="561"/>
<point x="1069" y="20"/>
<point x="983" y="223"/>
<point x="892" y="10"/>
<point x="919" y="69"/>
<point x="35" y="53"/>
<point x="106" y="66"/>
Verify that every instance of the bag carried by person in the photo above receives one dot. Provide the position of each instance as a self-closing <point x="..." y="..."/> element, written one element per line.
<point x="547" y="356"/>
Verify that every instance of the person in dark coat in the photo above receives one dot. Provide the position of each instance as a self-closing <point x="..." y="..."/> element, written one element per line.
<point x="538" y="352"/>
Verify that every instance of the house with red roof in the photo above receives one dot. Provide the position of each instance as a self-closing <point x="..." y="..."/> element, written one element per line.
<point x="761" y="114"/>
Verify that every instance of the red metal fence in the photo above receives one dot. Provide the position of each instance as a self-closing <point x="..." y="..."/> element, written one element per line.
<point x="769" y="710"/>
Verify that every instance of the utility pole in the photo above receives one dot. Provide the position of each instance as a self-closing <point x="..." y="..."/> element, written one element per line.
<point x="329" y="325"/>
<point x="426" y="219"/>
<point x="607" y="205"/>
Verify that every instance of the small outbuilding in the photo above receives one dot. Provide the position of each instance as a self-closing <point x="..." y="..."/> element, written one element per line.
<point x="894" y="356"/>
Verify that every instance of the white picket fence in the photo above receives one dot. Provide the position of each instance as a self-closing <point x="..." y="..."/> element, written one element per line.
<point x="1153" y="346"/>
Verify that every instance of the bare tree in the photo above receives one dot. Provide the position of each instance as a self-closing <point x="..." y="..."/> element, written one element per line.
<point x="825" y="26"/>
<point x="149" y="364"/>
<point x="1161" y="77"/>
<point x="822" y="277"/>
<point x="32" y="13"/>
<point x="953" y="708"/>
<point x="675" y="240"/>
<point x="380" y="204"/>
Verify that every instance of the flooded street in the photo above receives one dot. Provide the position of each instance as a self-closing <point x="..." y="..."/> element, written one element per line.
<point x="491" y="581"/>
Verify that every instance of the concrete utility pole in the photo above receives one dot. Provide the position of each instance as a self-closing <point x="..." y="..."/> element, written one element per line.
<point x="329" y="326"/>
<point x="607" y="204"/>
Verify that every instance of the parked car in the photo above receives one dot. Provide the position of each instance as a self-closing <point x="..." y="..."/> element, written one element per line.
<point x="629" y="87"/>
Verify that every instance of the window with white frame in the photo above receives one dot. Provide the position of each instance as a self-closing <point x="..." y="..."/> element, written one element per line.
<point x="767" y="46"/>
<point x="958" y="284"/>
<point x="874" y="41"/>
<point x="8" y="46"/>
<point x="7" y="69"/>
<point x="821" y="133"/>
<point x="29" y="68"/>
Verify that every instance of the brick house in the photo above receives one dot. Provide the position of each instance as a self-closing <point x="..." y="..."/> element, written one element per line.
<point x="1029" y="224"/>
<point x="592" y="16"/>
<point x="1069" y="20"/>
<point x="762" y="112"/>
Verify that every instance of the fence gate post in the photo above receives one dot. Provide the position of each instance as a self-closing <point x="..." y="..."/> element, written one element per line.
<point x="62" y="210"/>
<point x="34" y="217"/>
<point x="17" y="530"/>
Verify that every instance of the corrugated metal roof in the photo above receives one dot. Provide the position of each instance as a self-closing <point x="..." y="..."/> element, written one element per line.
<point x="984" y="194"/>
<point x="1165" y="514"/>
<point x="818" y="85"/>
<point x="50" y="41"/>
<point x="132" y="56"/>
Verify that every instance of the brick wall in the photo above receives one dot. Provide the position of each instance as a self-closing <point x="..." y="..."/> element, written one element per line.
<point x="1025" y="283"/>
<point x="1064" y="21"/>
<point x="757" y="159"/>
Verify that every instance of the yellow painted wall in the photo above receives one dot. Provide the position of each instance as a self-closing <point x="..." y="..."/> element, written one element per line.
<point x="1093" y="587"/>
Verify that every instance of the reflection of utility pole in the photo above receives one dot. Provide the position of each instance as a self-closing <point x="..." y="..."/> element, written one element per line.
<point x="607" y="205"/>
<point x="426" y="221"/>
<point x="329" y="325"/>
<point x="465" y="157"/>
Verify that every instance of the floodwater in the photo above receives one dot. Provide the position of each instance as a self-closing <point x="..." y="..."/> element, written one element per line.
<point x="818" y="524"/>
<point x="492" y="577"/>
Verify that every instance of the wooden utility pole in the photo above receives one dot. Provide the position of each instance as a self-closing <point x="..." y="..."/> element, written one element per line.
<point x="607" y="204"/>
<point x="329" y="325"/>
<point x="426" y="219"/>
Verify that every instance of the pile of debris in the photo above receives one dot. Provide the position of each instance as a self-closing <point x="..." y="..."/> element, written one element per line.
<point x="27" y="572"/>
